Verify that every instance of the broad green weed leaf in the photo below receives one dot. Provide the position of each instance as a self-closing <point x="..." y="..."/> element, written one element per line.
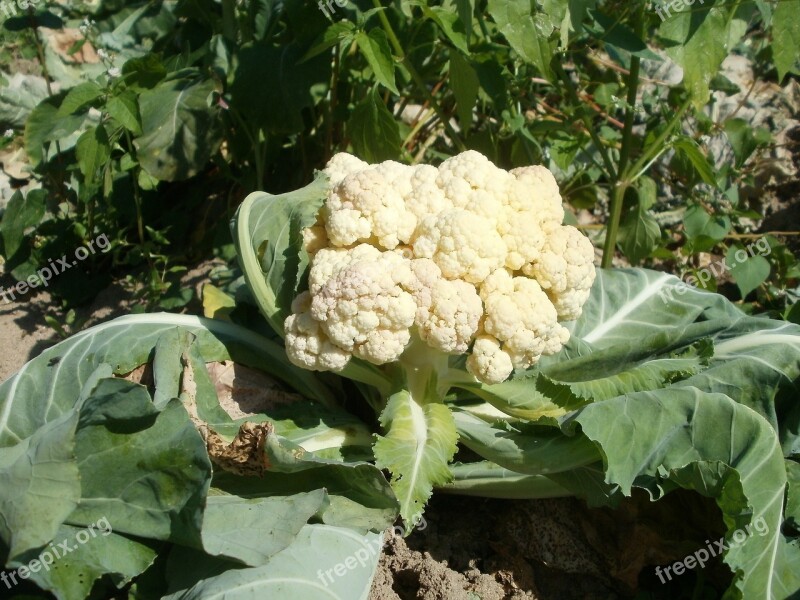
<point x="79" y="97"/>
<point x="698" y="39"/>
<point x="373" y="131"/>
<point x="179" y="128"/>
<point x="748" y="273"/>
<point x="22" y="212"/>
<point x="278" y="78"/>
<point x="526" y="33"/>
<point x="464" y="82"/>
<point x="93" y="151"/>
<point x="786" y="37"/>
<point x="375" y="48"/>
<point x="125" y="109"/>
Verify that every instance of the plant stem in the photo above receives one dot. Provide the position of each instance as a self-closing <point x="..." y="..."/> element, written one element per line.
<point x="415" y="76"/>
<point x="621" y="183"/>
<point x="656" y="146"/>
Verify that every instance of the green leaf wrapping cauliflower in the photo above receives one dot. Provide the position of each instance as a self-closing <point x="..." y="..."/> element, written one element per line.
<point x="468" y="258"/>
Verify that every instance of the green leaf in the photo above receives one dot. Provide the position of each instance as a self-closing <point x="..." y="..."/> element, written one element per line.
<point x="635" y="317"/>
<point x="127" y="343"/>
<point x="79" y="97"/>
<point x="450" y="23"/>
<point x="614" y="32"/>
<point x="717" y="447"/>
<point x="267" y="231"/>
<point x="93" y="151"/>
<point x="323" y="562"/>
<point x="22" y="212"/>
<point x="747" y="271"/>
<point x="179" y="129"/>
<point x="526" y="33"/>
<point x="419" y="443"/>
<point x="146" y="474"/>
<point x="375" y="48"/>
<point x="105" y="553"/>
<point x="699" y="224"/>
<point x="786" y="37"/>
<point x="279" y="78"/>
<point x="39" y="485"/>
<point x="639" y="230"/>
<point x="373" y="130"/>
<point x="339" y="32"/>
<point x="523" y="447"/>
<point x="44" y="125"/>
<point x="740" y="135"/>
<point x="699" y="40"/>
<point x="689" y="148"/>
<point x="125" y="109"/>
<point x="464" y="83"/>
<point x="252" y="530"/>
<point x="465" y="9"/>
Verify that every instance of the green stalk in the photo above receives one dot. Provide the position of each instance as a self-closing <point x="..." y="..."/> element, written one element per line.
<point x="622" y="183"/>
<point x="415" y="76"/>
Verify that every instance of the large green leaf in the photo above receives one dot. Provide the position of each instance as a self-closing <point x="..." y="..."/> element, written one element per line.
<point x="465" y="85"/>
<point x="48" y="386"/>
<point x="253" y="529"/>
<point x="39" y="485"/>
<point x="71" y="576"/>
<point x="323" y="563"/>
<point x="146" y="474"/>
<point x="717" y="447"/>
<point x="179" y="128"/>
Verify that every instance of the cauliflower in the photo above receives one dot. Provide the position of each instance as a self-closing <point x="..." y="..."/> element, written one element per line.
<point x="465" y="258"/>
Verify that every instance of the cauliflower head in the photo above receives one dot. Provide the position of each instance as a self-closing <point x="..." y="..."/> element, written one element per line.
<point x="467" y="257"/>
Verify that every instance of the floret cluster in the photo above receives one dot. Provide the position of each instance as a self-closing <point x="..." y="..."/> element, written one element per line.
<point x="469" y="257"/>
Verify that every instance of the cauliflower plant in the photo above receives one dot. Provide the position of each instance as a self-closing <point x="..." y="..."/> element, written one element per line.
<point x="467" y="258"/>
